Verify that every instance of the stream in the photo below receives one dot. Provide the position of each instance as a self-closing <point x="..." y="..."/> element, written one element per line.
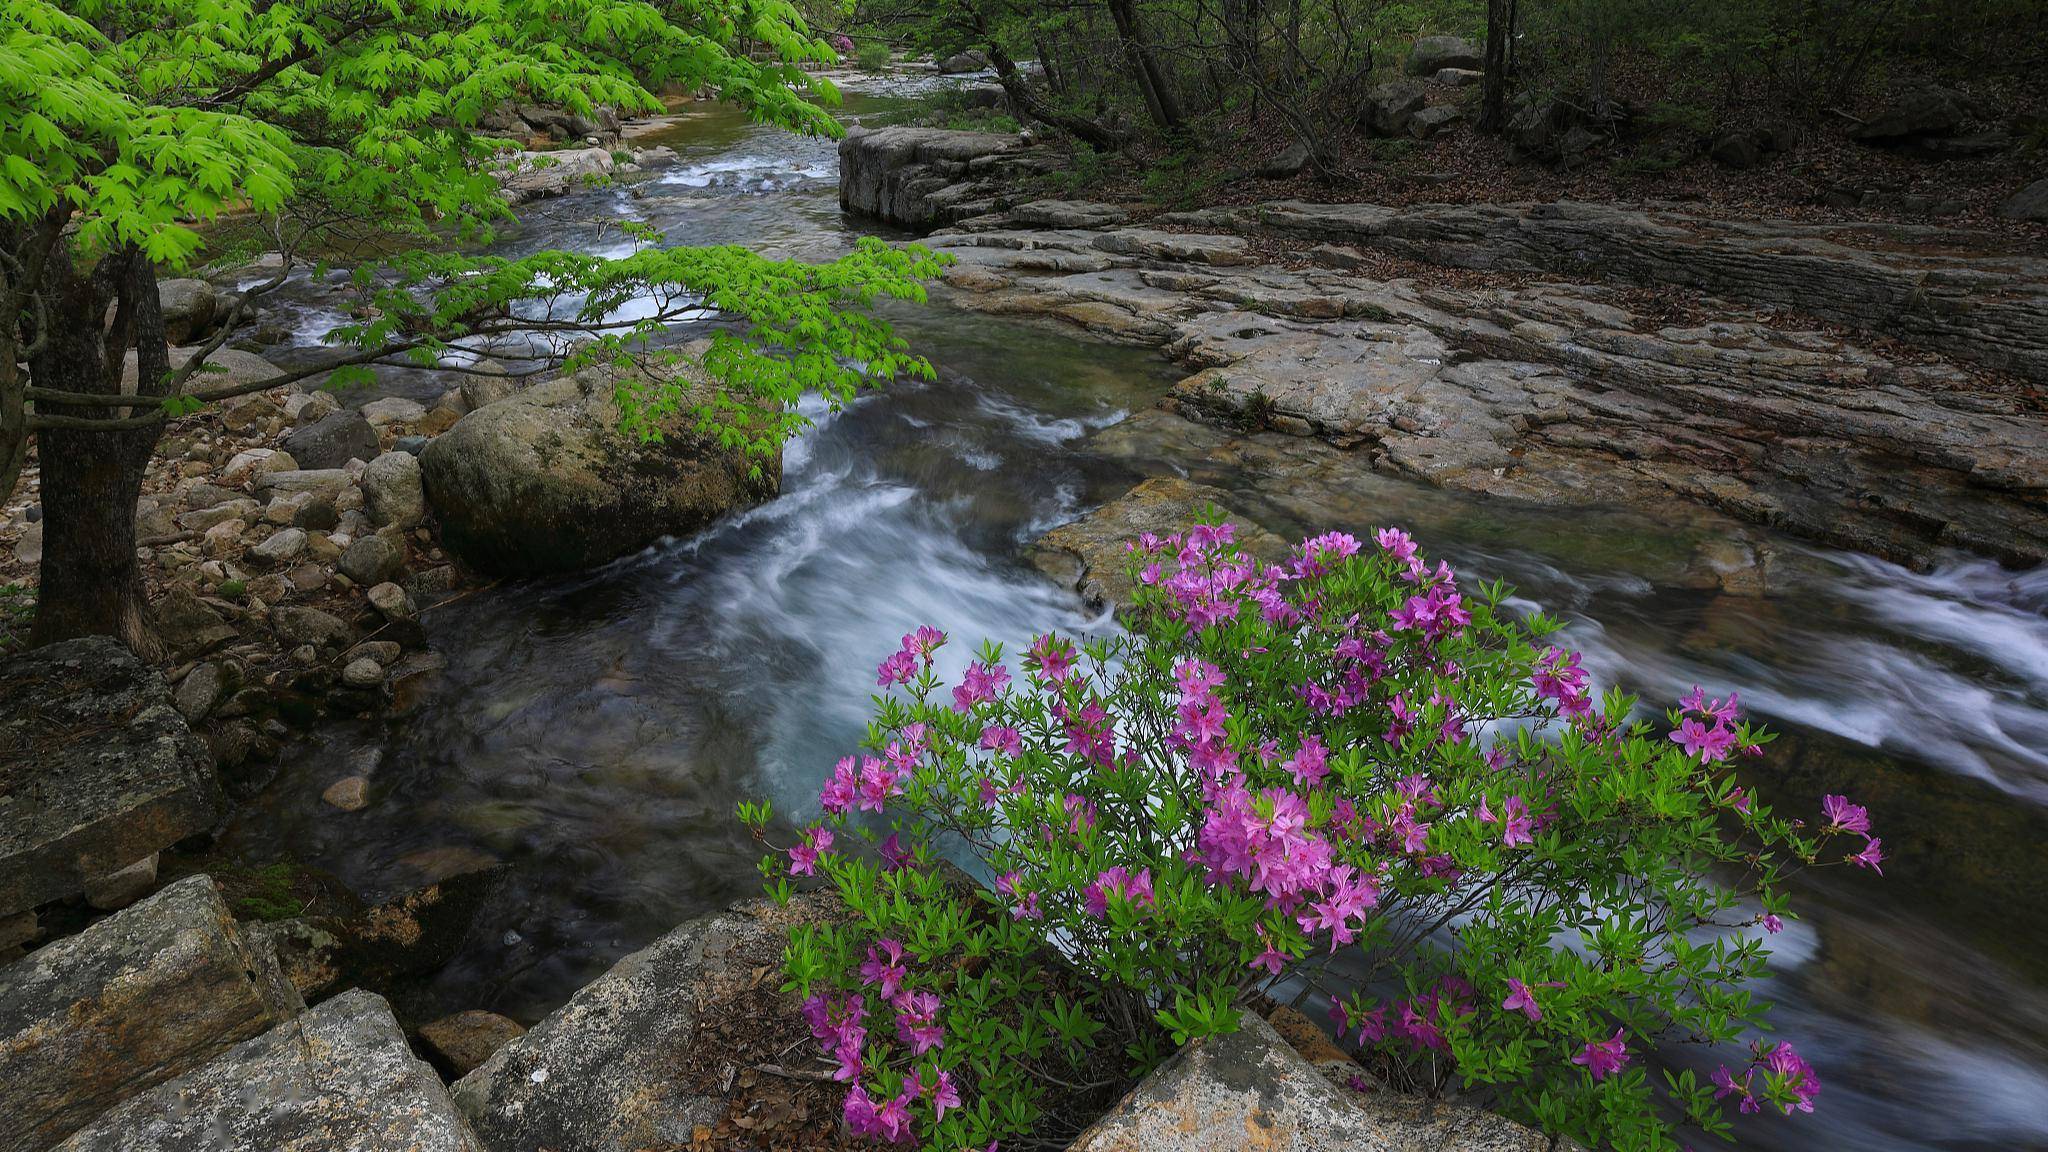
<point x="595" y="732"/>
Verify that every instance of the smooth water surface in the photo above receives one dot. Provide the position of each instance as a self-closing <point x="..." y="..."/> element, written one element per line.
<point x="595" y="733"/>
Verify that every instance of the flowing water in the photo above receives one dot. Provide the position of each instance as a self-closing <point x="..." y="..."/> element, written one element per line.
<point x="595" y="732"/>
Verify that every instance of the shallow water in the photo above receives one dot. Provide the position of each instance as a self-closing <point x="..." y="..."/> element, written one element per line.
<point x="595" y="732"/>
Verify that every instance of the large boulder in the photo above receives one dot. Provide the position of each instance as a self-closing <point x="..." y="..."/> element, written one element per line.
<point x="1912" y="115"/>
<point x="189" y="308"/>
<point x="926" y="177"/>
<point x="338" y="1078"/>
<point x="97" y="769"/>
<point x="223" y="367"/>
<point x="140" y="997"/>
<point x="1433" y="54"/>
<point x="599" y="1074"/>
<point x="2029" y="203"/>
<point x="1389" y="106"/>
<point x="963" y="62"/>
<point x="333" y="440"/>
<point x="547" y="482"/>
<point x="1252" y="1089"/>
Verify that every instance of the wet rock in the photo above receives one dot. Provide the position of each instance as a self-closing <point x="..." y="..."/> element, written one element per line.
<point x="1252" y="1089"/>
<point x="189" y="307"/>
<point x="1089" y="554"/>
<point x="338" y="1077"/>
<point x="351" y="793"/>
<point x="136" y="999"/>
<point x="1389" y="106"/>
<point x="392" y="410"/>
<point x="460" y="1043"/>
<point x="923" y="177"/>
<point x="598" y="1073"/>
<point x="393" y="494"/>
<point x="200" y="690"/>
<point x="332" y="440"/>
<point x="1433" y="54"/>
<point x="98" y="769"/>
<point x="123" y="886"/>
<point x="362" y="673"/>
<point x="297" y="625"/>
<point x="384" y="652"/>
<point x="306" y="952"/>
<point x="546" y="481"/>
<point x="2029" y="203"/>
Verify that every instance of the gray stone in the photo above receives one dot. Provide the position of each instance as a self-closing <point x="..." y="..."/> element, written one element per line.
<point x="928" y="177"/>
<point x="482" y="391"/>
<point x="297" y="625"/>
<point x="318" y="513"/>
<point x="325" y="480"/>
<point x="1433" y="54"/>
<point x="373" y="560"/>
<point x="339" y="1077"/>
<point x="97" y="769"/>
<point x="200" y="690"/>
<point x="122" y="887"/>
<point x="1430" y="122"/>
<point x="1251" y="1089"/>
<point x="459" y="1044"/>
<point x="598" y="1074"/>
<point x="189" y="307"/>
<point x="963" y="62"/>
<point x="547" y="482"/>
<point x="1458" y="77"/>
<point x="138" y="998"/>
<point x="247" y="412"/>
<point x="351" y="793"/>
<point x="393" y="494"/>
<point x="392" y="410"/>
<point x="246" y="466"/>
<point x="1735" y="150"/>
<point x="199" y="520"/>
<point x="1389" y="106"/>
<point x="530" y="175"/>
<point x="1919" y="112"/>
<point x="224" y="366"/>
<point x="189" y="626"/>
<point x="390" y="601"/>
<point x="280" y="547"/>
<point x="2029" y="203"/>
<point x="310" y="407"/>
<point x="332" y="440"/>
<point x="1291" y="160"/>
<point x="362" y="673"/>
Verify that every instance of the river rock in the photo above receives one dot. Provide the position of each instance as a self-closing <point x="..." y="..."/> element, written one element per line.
<point x="189" y="626"/>
<point x="963" y="62"/>
<point x="546" y="482"/>
<point x="364" y="673"/>
<point x="1089" y="554"/>
<point x="331" y="481"/>
<point x="390" y="601"/>
<point x="98" y="769"/>
<point x="598" y="1074"/>
<point x="304" y="408"/>
<point x="333" y="440"/>
<point x="199" y="520"/>
<point x="352" y="793"/>
<point x="392" y="410"/>
<point x="482" y="391"/>
<point x="298" y="625"/>
<point x="1433" y="54"/>
<point x="339" y="1077"/>
<point x="460" y="1043"/>
<point x="531" y="175"/>
<point x="188" y="307"/>
<point x="373" y="560"/>
<point x="223" y="367"/>
<point x="280" y="547"/>
<point x="200" y="690"/>
<point x="1252" y="1089"/>
<point x="246" y="466"/>
<point x="244" y="413"/>
<point x="145" y="995"/>
<point x="927" y="177"/>
<point x="393" y="494"/>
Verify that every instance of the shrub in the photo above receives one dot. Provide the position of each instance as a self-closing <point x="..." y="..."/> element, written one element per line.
<point x="1347" y="753"/>
<point x="873" y="56"/>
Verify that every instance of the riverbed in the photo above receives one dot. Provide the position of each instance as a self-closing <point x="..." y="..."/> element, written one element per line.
<point x="595" y="732"/>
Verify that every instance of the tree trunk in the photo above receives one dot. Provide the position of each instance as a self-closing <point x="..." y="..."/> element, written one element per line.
<point x="1159" y="98"/>
<point x="1493" y="87"/>
<point x="91" y="582"/>
<point x="1089" y="132"/>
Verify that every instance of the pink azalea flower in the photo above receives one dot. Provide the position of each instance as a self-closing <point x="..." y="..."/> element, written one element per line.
<point x="1521" y="999"/>
<point x="1845" y="816"/>
<point x="1871" y="856"/>
<point x="1603" y="1058"/>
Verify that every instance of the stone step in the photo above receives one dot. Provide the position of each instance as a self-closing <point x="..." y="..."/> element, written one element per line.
<point x="134" y="1000"/>
<point x="337" y="1079"/>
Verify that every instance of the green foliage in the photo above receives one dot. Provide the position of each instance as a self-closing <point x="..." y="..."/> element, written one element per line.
<point x="872" y="56"/>
<point x="17" y="615"/>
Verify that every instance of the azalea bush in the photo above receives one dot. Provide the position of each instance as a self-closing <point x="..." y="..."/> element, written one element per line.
<point x="1345" y="774"/>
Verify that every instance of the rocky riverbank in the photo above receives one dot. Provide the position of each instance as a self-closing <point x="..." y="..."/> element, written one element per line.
<point x="1871" y="387"/>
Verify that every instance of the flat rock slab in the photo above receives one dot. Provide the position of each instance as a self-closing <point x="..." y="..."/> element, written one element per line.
<point x="142" y="996"/>
<point x="97" y="769"/>
<point x="603" y="1073"/>
<point x="1252" y="1090"/>
<point x="337" y="1079"/>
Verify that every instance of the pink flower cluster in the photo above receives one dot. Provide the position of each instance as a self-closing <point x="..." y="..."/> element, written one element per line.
<point x="1778" y="1063"/>
<point x="1843" y="816"/>
<point x="840" y="1027"/>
